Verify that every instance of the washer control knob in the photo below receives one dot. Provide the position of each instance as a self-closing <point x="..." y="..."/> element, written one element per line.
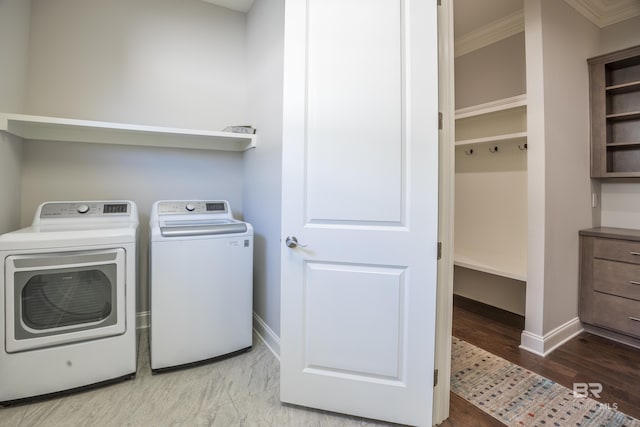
<point x="83" y="209"/>
<point x="190" y="207"/>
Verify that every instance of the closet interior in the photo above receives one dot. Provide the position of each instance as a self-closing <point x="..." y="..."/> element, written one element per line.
<point x="490" y="247"/>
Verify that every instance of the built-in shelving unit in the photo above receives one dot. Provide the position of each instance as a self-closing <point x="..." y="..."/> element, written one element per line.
<point x="491" y="142"/>
<point x="503" y="120"/>
<point x="73" y="130"/>
<point x="615" y="114"/>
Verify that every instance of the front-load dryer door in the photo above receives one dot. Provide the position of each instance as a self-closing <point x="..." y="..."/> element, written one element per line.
<point x="64" y="297"/>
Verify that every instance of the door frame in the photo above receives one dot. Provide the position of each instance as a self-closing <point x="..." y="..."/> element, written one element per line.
<point x="446" y="199"/>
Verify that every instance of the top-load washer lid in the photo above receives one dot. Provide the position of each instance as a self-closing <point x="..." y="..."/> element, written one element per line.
<point x="174" y="228"/>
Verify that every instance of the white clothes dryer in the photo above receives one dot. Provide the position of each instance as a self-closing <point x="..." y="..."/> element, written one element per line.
<point x="201" y="283"/>
<point x="69" y="299"/>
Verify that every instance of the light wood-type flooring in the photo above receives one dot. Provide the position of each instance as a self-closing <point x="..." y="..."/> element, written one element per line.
<point x="244" y="390"/>
<point x="239" y="391"/>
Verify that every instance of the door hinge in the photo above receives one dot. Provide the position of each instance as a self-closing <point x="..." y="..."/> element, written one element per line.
<point x="440" y="119"/>
<point x="439" y="250"/>
<point x="435" y="377"/>
<point x="439" y="2"/>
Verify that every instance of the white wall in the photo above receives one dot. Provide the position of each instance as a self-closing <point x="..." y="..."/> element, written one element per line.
<point x="559" y="40"/>
<point x="494" y="72"/>
<point x="158" y="62"/>
<point x="262" y="166"/>
<point x="14" y="40"/>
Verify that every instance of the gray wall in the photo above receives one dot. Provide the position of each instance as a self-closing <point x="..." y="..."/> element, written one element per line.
<point x="262" y="166"/>
<point x="14" y="40"/>
<point x="156" y="62"/>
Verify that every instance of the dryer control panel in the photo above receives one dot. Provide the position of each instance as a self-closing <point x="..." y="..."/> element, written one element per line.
<point x="84" y="209"/>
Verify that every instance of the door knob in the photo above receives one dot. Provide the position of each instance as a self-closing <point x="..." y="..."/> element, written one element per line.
<point x="292" y="242"/>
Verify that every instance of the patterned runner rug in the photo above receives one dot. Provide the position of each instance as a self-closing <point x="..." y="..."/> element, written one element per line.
<point x="519" y="397"/>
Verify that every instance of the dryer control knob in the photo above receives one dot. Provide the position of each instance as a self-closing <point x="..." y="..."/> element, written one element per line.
<point x="83" y="209"/>
<point x="190" y="207"/>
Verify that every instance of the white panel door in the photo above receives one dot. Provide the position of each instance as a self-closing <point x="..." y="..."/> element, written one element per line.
<point x="360" y="170"/>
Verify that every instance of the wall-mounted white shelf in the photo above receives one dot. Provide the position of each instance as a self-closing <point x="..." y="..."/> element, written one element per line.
<point x="61" y="129"/>
<point x="510" y="272"/>
<point x="511" y="137"/>
<point x="492" y="107"/>
<point x="504" y="120"/>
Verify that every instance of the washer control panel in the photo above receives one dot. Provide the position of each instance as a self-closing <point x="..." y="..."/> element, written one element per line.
<point x="84" y="209"/>
<point x="193" y="207"/>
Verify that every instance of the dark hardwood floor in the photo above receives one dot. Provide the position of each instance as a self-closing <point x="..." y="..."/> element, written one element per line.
<point x="586" y="358"/>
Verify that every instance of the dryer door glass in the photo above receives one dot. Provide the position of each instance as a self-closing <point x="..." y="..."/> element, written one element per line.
<point x="59" y="298"/>
<point x="73" y="297"/>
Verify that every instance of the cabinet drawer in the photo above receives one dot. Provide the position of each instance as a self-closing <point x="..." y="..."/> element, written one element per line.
<point x="616" y="313"/>
<point x="617" y="278"/>
<point x="618" y="250"/>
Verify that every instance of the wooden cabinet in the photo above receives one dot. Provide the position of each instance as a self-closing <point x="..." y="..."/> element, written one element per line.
<point x="615" y="114"/>
<point x="610" y="282"/>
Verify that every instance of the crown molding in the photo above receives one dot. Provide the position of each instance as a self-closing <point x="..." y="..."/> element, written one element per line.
<point x="493" y="32"/>
<point x="606" y="12"/>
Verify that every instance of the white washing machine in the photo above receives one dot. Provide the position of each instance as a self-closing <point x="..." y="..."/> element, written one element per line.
<point x="68" y="300"/>
<point x="201" y="271"/>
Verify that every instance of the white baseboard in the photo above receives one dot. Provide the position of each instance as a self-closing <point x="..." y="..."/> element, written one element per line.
<point x="266" y="334"/>
<point x="544" y="345"/>
<point x="143" y="319"/>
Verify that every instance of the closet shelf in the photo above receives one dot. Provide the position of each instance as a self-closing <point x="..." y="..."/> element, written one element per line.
<point x="492" y="107"/>
<point x="512" y="137"/>
<point x="61" y="129"/>
<point x="510" y="273"/>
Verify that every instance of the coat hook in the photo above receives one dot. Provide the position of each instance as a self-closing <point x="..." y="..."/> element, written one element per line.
<point x="468" y="152"/>
<point x="494" y="149"/>
<point x="523" y="146"/>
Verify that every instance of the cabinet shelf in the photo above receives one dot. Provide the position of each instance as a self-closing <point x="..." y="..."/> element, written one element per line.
<point x="624" y="87"/>
<point x="631" y="115"/>
<point x="623" y="144"/>
<point x="73" y="130"/>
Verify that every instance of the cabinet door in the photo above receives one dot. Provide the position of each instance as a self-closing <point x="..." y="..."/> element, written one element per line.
<point x="360" y="190"/>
